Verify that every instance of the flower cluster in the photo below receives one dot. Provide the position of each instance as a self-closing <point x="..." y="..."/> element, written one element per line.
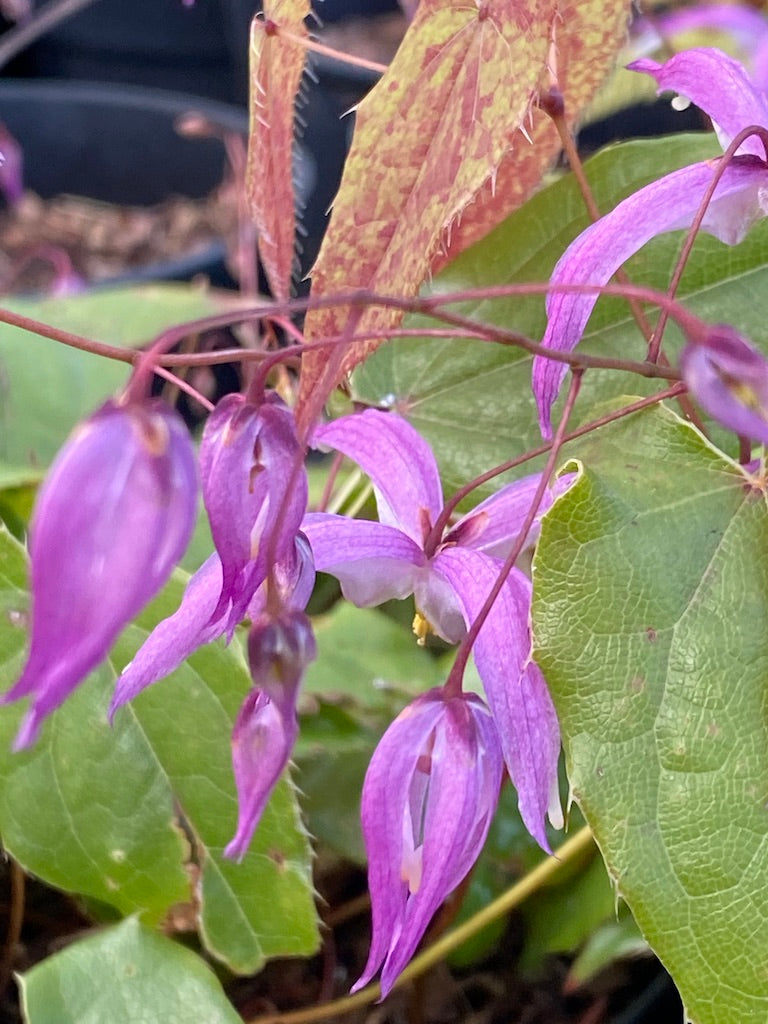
<point x="120" y="504"/>
<point x="433" y="783"/>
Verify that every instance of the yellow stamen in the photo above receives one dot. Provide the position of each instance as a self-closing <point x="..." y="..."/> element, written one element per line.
<point x="421" y="627"/>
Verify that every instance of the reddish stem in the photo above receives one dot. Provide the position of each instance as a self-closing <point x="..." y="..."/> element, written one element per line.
<point x="723" y="163"/>
<point x="441" y="523"/>
<point x="453" y="684"/>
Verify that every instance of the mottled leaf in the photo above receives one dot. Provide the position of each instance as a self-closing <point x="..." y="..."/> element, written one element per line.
<point x="428" y="136"/>
<point x="444" y="128"/>
<point x="587" y="37"/>
<point x="276" y="67"/>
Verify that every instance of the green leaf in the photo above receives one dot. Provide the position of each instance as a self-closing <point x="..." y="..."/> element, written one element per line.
<point x="364" y="655"/>
<point x="92" y="809"/>
<point x="612" y="941"/>
<point x="472" y="400"/>
<point x="87" y="809"/>
<point x="124" y="975"/>
<point x="650" y="602"/>
<point x="46" y="387"/>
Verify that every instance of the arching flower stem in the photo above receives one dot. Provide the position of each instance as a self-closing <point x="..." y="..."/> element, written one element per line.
<point x="453" y="684"/>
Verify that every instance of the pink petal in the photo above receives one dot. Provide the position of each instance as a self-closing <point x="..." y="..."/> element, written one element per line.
<point x="399" y="462"/>
<point x="520" y="703"/>
<point x="113" y="517"/>
<point x="372" y="562"/>
<point x="719" y="85"/>
<point x="428" y="799"/>
<point x="248" y="458"/>
<point x="494" y="525"/>
<point x="729" y="379"/>
<point x="262" y="741"/>
<point x="384" y="805"/>
<point x="462" y="795"/>
<point x="595" y="256"/>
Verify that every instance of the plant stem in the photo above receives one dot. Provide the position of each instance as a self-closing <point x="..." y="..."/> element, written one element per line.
<point x="20" y="37"/>
<point x="723" y="164"/>
<point x="15" y="921"/>
<point x="453" y="683"/>
<point x="543" y="874"/>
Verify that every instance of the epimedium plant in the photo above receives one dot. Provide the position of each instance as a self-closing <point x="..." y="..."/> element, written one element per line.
<point x="598" y="554"/>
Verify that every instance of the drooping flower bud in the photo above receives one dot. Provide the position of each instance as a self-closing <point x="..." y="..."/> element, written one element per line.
<point x="254" y="499"/>
<point x="112" y="518"/>
<point x="279" y="650"/>
<point x="729" y="380"/>
<point x="428" y="799"/>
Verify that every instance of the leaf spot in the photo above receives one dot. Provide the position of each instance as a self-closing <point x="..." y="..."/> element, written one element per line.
<point x="18" y="618"/>
<point x="278" y="857"/>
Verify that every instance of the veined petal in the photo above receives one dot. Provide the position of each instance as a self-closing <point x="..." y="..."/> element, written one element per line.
<point x="719" y="85"/>
<point x="519" y="700"/>
<point x="428" y="799"/>
<point x="385" y="802"/>
<point x="399" y="462"/>
<point x="463" y="790"/>
<point x="494" y="525"/>
<point x="372" y="562"/>
<point x="593" y="258"/>
<point x="176" y="637"/>
<point x="729" y="379"/>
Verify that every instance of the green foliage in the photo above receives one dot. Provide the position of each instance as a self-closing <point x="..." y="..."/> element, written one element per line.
<point x="105" y="811"/>
<point x="472" y="400"/>
<point x="650" y="601"/>
<point x="124" y="975"/>
<point x="46" y="388"/>
<point x="367" y="669"/>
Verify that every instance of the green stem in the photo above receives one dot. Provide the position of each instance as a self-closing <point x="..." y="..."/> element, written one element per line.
<point x="543" y="874"/>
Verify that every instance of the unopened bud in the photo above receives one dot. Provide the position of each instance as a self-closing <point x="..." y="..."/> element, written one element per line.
<point x="112" y="518"/>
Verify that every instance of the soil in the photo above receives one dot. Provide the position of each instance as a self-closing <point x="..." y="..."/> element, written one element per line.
<point x="490" y="992"/>
<point x="46" y="244"/>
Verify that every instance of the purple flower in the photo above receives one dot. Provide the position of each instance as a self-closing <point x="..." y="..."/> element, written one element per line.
<point x="721" y="87"/>
<point x="279" y="650"/>
<point x="113" y="517"/>
<point x="747" y="26"/>
<point x="729" y="379"/>
<point x="428" y="799"/>
<point x="11" y="167"/>
<point x="255" y="491"/>
<point x="376" y="561"/>
<point x="247" y="456"/>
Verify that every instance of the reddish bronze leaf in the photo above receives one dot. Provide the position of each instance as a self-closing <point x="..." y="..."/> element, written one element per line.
<point x="434" y="134"/>
<point x="277" y="65"/>
<point x="587" y="39"/>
